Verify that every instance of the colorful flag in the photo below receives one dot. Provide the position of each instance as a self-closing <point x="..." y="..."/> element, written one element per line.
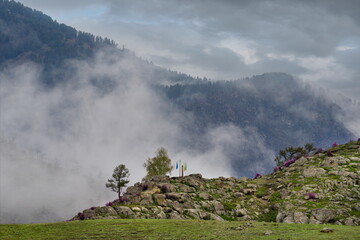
<point x="177" y="166"/>
<point x="185" y="167"/>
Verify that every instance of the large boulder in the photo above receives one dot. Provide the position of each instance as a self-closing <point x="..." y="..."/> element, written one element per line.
<point x="146" y="199"/>
<point x="124" y="212"/>
<point x="160" y="199"/>
<point x="322" y="215"/>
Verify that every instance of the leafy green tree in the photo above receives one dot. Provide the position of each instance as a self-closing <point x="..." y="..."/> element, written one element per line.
<point x="293" y="152"/>
<point x="158" y="165"/>
<point x="119" y="179"/>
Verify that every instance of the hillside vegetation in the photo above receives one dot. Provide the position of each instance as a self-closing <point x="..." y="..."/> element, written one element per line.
<point x="317" y="189"/>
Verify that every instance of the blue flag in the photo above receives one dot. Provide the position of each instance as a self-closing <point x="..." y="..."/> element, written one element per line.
<point x="177" y="166"/>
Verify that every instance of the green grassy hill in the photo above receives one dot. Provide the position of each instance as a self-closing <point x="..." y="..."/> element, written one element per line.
<point x="174" y="229"/>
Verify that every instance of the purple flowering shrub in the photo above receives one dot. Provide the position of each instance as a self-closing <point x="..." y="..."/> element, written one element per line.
<point x="289" y="162"/>
<point x="319" y="150"/>
<point x="311" y="195"/>
<point x="144" y="186"/>
<point x="276" y="169"/>
<point x="120" y="200"/>
<point x="257" y="175"/>
<point x="92" y="208"/>
<point x="334" y="144"/>
<point x="81" y="216"/>
<point x="358" y="140"/>
<point x="329" y="154"/>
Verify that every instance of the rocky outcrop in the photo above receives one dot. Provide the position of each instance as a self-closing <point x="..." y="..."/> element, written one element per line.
<point x="322" y="188"/>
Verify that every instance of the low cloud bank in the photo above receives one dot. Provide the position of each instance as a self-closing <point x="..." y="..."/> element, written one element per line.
<point x="59" y="145"/>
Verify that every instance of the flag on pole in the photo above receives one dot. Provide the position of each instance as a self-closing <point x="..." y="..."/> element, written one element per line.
<point x="185" y="167"/>
<point x="177" y="166"/>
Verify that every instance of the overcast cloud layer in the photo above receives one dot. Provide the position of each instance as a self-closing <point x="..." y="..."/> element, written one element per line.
<point x="317" y="41"/>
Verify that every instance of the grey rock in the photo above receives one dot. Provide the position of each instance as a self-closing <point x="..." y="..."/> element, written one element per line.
<point x="205" y="196"/>
<point x="160" y="179"/>
<point x="218" y="207"/>
<point x="194" y="213"/>
<point x="136" y="209"/>
<point x="106" y="210"/>
<point x="132" y="190"/>
<point x="124" y="211"/>
<point x="313" y="172"/>
<point x="300" y="217"/>
<point x="160" y="199"/>
<point x="248" y="191"/>
<point x="146" y="199"/>
<point x="175" y="215"/>
<point x="186" y="189"/>
<point x="239" y="211"/>
<point x="196" y="175"/>
<point x="323" y="215"/>
<point x="349" y="222"/>
<point x="193" y="182"/>
<point x="211" y="216"/>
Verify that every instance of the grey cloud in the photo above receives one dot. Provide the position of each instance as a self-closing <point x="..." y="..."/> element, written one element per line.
<point x="59" y="145"/>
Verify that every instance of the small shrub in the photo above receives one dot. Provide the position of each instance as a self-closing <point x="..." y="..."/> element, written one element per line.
<point x="311" y="195"/>
<point x="229" y="206"/>
<point x="276" y="169"/>
<point x="81" y="216"/>
<point x="122" y="199"/>
<point x="329" y="154"/>
<point x="269" y="216"/>
<point x="92" y="208"/>
<point x="334" y="144"/>
<point x="261" y="192"/>
<point x="319" y="150"/>
<point x="275" y="197"/>
<point x="257" y="175"/>
<point x="227" y="218"/>
<point x="109" y="204"/>
<point x="289" y="162"/>
<point x="164" y="188"/>
<point x="144" y="186"/>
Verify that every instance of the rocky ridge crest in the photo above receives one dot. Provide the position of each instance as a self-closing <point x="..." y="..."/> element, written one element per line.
<point x="321" y="188"/>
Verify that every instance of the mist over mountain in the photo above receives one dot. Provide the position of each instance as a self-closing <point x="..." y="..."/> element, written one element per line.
<point x="74" y="105"/>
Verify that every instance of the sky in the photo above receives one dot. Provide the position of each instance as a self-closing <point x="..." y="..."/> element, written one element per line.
<point x="317" y="41"/>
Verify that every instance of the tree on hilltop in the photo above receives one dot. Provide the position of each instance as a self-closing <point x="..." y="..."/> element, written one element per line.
<point x="158" y="165"/>
<point x="119" y="179"/>
<point x="293" y="152"/>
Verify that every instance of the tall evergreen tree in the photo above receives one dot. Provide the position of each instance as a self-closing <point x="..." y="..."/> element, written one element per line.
<point x="119" y="179"/>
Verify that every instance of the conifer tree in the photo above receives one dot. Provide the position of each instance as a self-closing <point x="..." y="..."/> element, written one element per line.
<point x="119" y="179"/>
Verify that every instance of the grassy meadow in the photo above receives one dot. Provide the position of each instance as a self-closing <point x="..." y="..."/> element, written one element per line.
<point x="174" y="229"/>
